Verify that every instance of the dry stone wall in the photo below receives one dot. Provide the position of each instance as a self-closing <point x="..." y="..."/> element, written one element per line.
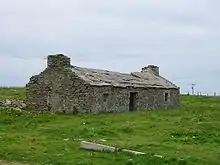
<point x="112" y="99"/>
<point x="12" y="103"/>
<point x="58" y="90"/>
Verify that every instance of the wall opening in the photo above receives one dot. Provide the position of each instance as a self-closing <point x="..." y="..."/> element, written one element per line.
<point x="105" y="97"/>
<point x="166" y="97"/>
<point x="133" y="101"/>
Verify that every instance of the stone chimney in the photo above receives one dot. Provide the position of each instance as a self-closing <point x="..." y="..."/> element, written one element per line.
<point x="58" y="61"/>
<point x="152" y="68"/>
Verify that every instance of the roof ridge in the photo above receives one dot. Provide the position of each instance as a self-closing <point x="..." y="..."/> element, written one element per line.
<point x="105" y="70"/>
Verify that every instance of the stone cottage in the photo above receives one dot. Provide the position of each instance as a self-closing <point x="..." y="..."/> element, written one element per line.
<point x="64" y="88"/>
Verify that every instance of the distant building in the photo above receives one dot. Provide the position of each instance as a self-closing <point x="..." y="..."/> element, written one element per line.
<point x="71" y="89"/>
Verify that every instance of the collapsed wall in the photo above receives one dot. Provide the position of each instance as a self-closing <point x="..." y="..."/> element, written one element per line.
<point x="12" y="103"/>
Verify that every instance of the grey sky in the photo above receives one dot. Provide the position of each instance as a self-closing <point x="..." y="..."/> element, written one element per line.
<point x="180" y="36"/>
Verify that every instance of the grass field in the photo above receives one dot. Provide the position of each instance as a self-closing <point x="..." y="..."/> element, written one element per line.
<point x="188" y="135"/>
<point x="12" y="93"/>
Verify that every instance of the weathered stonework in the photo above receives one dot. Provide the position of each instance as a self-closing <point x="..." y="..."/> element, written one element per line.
<point x="62" y="88"/>
<point x="118" y="99"/>
<point x="12" y="103"/>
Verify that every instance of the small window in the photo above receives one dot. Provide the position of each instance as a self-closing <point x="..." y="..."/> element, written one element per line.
<point x="166" y="97"/>
<point x="105" y="97"/>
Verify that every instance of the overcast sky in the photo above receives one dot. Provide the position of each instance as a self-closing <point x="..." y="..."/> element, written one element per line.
<point x="180" y="36"/>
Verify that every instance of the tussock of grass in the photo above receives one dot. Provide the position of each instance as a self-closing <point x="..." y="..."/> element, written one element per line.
<point x="188" y="135"/>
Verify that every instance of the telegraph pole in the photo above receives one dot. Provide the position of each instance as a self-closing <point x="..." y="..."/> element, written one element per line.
<point x="193" y="88"/>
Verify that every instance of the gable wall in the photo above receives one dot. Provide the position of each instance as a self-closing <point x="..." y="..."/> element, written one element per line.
<point x="57" y="91"/>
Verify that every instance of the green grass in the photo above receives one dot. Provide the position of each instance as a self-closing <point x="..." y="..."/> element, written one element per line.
<point x="188" y="135"/>
<point x="12" y="93"/>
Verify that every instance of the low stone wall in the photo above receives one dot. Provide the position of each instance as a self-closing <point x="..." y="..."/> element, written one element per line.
<point x="12" y="103"/>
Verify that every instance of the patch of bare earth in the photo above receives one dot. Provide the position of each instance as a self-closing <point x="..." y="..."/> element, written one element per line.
<point x="11" y="163"/>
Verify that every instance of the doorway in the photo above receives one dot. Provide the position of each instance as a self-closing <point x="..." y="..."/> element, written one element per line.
<point x="133" y="101"/>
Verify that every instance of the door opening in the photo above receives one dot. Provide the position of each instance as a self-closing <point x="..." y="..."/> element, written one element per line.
<point x="132" y="102"/>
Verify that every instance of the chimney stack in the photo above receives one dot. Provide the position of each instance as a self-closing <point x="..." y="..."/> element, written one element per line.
<point x="152" y="69"/>
<point x="58" y="61"/>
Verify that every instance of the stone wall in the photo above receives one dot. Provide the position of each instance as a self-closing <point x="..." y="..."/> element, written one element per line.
<point x="58" y="90"/>
<point x="111" y="99"/>
<point x="12" y="103"/>
<point x="37" y="91"/>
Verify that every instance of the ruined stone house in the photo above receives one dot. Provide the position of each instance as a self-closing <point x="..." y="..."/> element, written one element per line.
<point x="64" y="88"/>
